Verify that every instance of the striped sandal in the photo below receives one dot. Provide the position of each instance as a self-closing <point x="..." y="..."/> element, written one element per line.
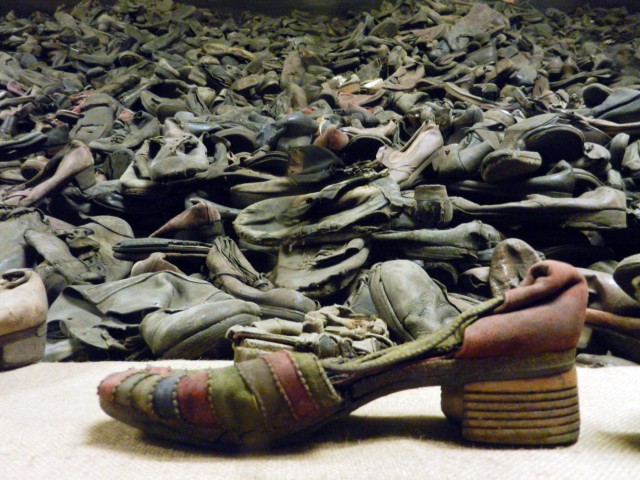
<point x="506" y="368"/>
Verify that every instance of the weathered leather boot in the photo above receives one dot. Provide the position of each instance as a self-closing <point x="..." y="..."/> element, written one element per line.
<point x="231" y="271"/>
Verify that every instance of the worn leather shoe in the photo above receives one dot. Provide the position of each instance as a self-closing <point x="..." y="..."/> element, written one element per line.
<point x="513" y="355"/>
<point x="22" y="319"/>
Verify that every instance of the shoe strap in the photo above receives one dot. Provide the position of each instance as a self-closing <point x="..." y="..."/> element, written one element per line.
<point x="437" y="343"/>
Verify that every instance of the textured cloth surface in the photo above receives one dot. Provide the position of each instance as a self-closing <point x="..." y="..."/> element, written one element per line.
<point x="52" y="427"/>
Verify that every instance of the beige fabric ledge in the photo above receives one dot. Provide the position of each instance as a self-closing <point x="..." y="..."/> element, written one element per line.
<point x="52" y="428"/>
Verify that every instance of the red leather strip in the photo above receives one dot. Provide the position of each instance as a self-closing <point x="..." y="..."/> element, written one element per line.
<point x="544" y="314"/>
<point x="288" y="378"/>
<point x="192" y="394"/>
<point x="164" y="371"/>
<point x="107" y="387"/>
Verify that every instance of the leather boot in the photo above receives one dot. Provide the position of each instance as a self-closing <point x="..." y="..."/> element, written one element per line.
<point x="230" y="271"/>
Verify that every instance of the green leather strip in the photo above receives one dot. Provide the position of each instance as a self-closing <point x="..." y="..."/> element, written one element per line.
<point x="316" y="381"/>
<point x="234" y="403"/>
<point x="142" y="395"/>
<point x="275" y="408"/>
<point x="123" y="391"/>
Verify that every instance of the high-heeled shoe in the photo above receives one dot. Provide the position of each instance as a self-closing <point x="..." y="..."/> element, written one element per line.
<point x="506" y="368"/>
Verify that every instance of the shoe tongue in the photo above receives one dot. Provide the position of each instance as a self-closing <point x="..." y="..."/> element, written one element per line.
<point x="311" y="163"/>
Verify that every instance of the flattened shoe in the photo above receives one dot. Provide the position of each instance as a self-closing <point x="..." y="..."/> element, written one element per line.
<point x="318" y="271"/>
<point x="506" y="366"/>
<point x="406" y="165"/>
<point x="198" y="331"/>
<point x="453" y="245"/>
<point x="601" y="209"/>
<point x="231" y="271"/>
<point x="349" y="209"/>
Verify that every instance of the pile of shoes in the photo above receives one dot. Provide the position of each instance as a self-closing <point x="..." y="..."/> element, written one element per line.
<point x="182" y="183"/>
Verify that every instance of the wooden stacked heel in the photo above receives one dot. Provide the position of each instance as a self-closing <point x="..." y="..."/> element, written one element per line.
<point x="541" y="411"/>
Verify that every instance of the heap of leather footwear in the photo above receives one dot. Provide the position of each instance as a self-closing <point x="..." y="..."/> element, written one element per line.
<point x="295" y="172"/>
<point x="347" y="209"/>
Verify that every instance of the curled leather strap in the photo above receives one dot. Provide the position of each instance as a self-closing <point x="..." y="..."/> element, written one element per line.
<point x="544" y="314"/>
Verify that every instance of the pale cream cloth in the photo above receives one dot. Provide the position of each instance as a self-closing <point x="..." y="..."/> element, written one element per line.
<point x="51" y="427"/>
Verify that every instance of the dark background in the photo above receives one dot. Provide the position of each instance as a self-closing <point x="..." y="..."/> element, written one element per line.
<point x="320" y="6"/>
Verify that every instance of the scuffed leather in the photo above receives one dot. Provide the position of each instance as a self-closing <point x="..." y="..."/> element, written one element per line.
<point x="544" y="314"/>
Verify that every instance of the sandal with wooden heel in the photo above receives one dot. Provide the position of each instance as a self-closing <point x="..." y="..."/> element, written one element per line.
<point x="506" y="367"/>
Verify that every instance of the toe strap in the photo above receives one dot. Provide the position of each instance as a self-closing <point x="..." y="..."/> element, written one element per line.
<point x="289" y="387"/>
<point x="254" y="403"/>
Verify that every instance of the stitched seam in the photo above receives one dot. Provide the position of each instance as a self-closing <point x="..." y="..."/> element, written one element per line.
<point x="150" y="401"/>
<point x="302" y="379"/>
<point x="133" y="387"/>
<point x="326" y="381"/>
<point x="112" y="397"/>
<point x="282" y="391"/>
<point x="174" y="399"/>
<point x="259" y="401"/>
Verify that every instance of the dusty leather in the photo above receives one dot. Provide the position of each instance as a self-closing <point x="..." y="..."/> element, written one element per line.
<point x="453" y="244"/>
<point x="59" y="267"/>
<point x="510" y="262"/>
<point x="319" y="271"/>
<point x="232" y="272"/>
<point x="405" y="297"/>
<point x="97" y="120"/>
<point x="626" y="275"/>
<point x="544" y="314"/>
<point x="559" y="181"/>
<point x="23" y="299"/>
<point x="606" y="295"/>
<point x="200" y="221"/>
<point x="345" y="210"/>
<point x="603" y="208"/>
<point x="14" y="221"/>
<point x="403" y="163"/>
<point x="198" y="331"/>
<point x="624" y="324"/>
<point x="309" y="169"/>
<point x="104" y="316"/>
